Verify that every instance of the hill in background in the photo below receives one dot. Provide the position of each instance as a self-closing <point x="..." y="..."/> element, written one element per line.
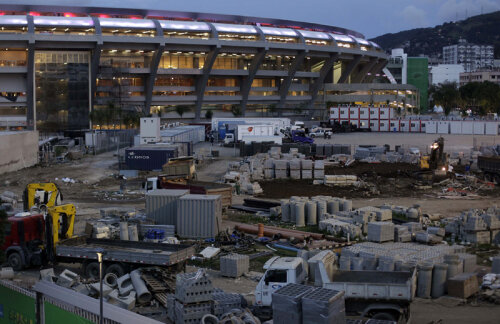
<point x="481" y="29"/>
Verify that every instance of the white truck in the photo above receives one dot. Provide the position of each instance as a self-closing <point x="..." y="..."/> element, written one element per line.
<point x="321" y="132"/>
<point x="248" y="131"/>
<point x="368" y="294"/>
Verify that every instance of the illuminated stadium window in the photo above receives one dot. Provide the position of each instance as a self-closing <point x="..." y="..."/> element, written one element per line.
<point x="13" y="57"/>
<point x="263" y="93"/>
<point x="182" y="60"/>
<point x="223" y="82"/>
<point x="63" y="31"/>
<point x="222" y="93"/>
<point x="13" y="30"/>
<point x="281" y="39"/>
<point x="226" y="61"/>
<point x="237" y="37"/>
<point x="186" y="34"/>
<point x="317" y="42"/>
<point x="277" y="62"/>
<point x="173" y="93"/>
<point x="174" y="81"/>
<point x="125" y="59"/>
<point x="128" y="32"/>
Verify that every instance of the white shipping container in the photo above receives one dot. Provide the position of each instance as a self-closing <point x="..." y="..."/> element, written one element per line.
<point x="415" y="126"/>
<point x="478" y="127"/>
<point x="150" y="130"/>
<point x="344" y="112"/>
<point x="384" y="113"/>
<point x="467" y="127"/>
<point x="404" y="126"/>
<point x="431" y="127"/>
<point x="455" y="127"/>
<point x="384" y="125"/>
<point x="443" y="127"/>
<point x="364" y="113"/>
<point x="254" y="130"/>
<point x="394" y="125"/>
<point x="374" y="124"/>
<point x="492" y="128"/>
<point x="355" y="122"/>
<point x="364" y="124"/>
<point x="353" y="112"/>
<point x="335" y="113"/>
<point x="374" y="113"/>
<point x="279" y="123"/>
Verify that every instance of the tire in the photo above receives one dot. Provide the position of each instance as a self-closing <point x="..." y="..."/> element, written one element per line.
<point x="385" y="316"/>
<point x="115" y="268"/>
<point x="92" y="270"/>
<point x="15" y="261"/>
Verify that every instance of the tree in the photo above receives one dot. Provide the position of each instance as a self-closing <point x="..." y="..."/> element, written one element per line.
<point x="481" y="97"/>
<point x="446" y="95"/>
<point x="97" y="117"/>
<point x="209" y="114"/>
<point x="181" y="109"/>
<point x="236" y="110"/>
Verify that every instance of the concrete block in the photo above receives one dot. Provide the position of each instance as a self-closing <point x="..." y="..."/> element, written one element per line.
<point x="127" y="302"/>
<point x="480" y="237"/>
<point x="193" y="287"/>
<point x="224" y="302"/>
<point x="6" y="273"/>
<point x="47" y="274"/>
<point x="69" y="275"/>
<point x="191" y="313"/>
<point x="463" y="285"/>
<point x="323" y="306"/>
<point x="495" y="265"/>
<point x="82" y="289"/>
<point x="380" y="231"/>
<point x="234" y="265"/>
<point x="469" y="262"/>
<point x="439" y="231"/>
<point x="124" y="284"/>
<point x="106" y="290"/>
<point x="287" y="306"/>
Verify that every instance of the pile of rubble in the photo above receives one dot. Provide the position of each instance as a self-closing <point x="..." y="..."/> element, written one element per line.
<point x="491" y="283"/>
<point x="475" y="226"/>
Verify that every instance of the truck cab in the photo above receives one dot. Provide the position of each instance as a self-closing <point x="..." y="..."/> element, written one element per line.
<point x="279" y="272"/>
<point x="229" y="138"/>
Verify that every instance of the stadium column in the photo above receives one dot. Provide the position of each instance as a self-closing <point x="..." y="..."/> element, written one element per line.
<point x="319" y="82"/>
<point x="287" y="82"/>
<point x="30" y="80"/>
<point x="360" y="76"/>
<point x="201" y="82"/>
<point x="95" y="59"/>
<point x="375" y="69"/>
<point x="257" y="60"/>
<point x="153" y="68"/>
<point x="352" y="65"/>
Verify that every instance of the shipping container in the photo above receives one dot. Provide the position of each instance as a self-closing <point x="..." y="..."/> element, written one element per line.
<point x="221" y="125"/>
<point x="335" y="113"/>
<point x="192" y="134"/>
<point x="161" y="205"/>
<point x="383" y="126"/>
<point x="253" y="130"/>
<point x="149" y="157"/>
<point x="363" y="124"/>
<point x="431" y="127"/>
<point x="374" y="113"/>
<point x="150" y="130"/>
<point x="201" y="188"/>
<point x="394" y="125"/>
<point x="443" y="127"/>
<point x="354" y="112"/>
<point x="404" y="126"/>
<point x="364" y="113"/>
<point x="374" y="125"/>
<point x="467" y="127"/>
<point x="199" y="216"/>
<point x="455" y="127"/>
<point x="478" y="127"/>
<point x="492" y="128"/>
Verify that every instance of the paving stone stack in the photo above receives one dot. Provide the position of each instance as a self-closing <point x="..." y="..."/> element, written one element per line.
<point x="380" y="232"/>
<point x="269" y="169"/>
<point x="307" y="169"/>
<point x="287" y="305"/>
<point x="193" y="297"/>
<point x="295" y="169"/>
<point x="476" y="230"/>
<point x="469" y="262"/>
<point x="234" y="265"/>
<point x="319" y="169"/>
<point x="323" y="306"/>
<point x="281" y="169"/>
<point x="225" y="302"/>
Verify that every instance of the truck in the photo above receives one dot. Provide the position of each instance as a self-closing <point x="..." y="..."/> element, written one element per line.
<point x="490" y="166"/>
<point x="222" y="124"/>
<point x="29" y="241"/>
<point x="261" y="139"/>
<point x="321" y="132"/>
<point x="372" y="294"/>
<point x="236" y="134"/>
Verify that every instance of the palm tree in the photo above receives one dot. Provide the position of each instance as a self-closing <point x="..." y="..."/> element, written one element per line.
<point x="181" y="109"/>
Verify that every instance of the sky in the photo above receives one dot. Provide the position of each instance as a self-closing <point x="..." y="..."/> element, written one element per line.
<point x="369" y="17"/>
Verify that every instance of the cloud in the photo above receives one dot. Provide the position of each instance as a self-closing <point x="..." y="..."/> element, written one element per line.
<point x="414" y="16"/>
<point x="461" y="9"/>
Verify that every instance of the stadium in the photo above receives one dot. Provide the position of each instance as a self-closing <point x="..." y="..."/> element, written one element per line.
<point x="57" y="64"/>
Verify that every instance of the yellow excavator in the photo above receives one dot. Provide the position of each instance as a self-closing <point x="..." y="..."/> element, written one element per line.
<point x="437" y="161"/>
<point x="46" y="198"/>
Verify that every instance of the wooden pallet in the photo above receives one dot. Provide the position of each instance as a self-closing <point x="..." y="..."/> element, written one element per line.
<point x="154" y="285"/>
<point x="162" y="298"/>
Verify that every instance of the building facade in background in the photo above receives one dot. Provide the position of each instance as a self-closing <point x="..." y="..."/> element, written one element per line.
<point x="445" y="73"/>
<point x="59" y="64"/>
<point x="471" y="56"/>
<point x="480" y="76"/>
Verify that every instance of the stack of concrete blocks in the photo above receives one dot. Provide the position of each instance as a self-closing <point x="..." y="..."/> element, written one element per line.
<point x="337" y="227"/>
<point x="413" y="227"/>
<point x="287" y="303"/>
<point x="328" y="259"/>
<point x="319" y="170"/>
<point x="380" y="232"/>
<point x="401" y="234"/>
<point x="234" y="265"/>
<point x="307" y="169"/>
<point x="476" y="230"/>
<point x="295" y="169"/>
<point x="269" y="169"/>
<point x="340" y="180"/>
<point x="224" y="302"/>
<point x="193" y="297"/>
<point x="463" y="285"/>
<point x="281" y="169"/>
<point x="427" y="238"/>
<point x="469" y="262"/>
<point x="493" y="224"/>
<point x="323" y="306"/>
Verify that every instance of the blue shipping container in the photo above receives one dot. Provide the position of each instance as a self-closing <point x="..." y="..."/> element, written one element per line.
<point x="148" y="159"/>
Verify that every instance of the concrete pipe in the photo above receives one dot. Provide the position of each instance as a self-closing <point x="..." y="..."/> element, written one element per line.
<point x="345" y="263"/>
<point x="312" y="213"/>
<point x="111" y="280"/>
<point x="332" y="206"/>
<point x="143" y="294"/>
<point x="321" y="208"/>
<point x="300" y="214"/>
<point x="133" y="233"/>
<point x="124" y="231"/>
<point x="424" y="280"/>
<point x="285" y="210"/>
<point x="439" y="280"/>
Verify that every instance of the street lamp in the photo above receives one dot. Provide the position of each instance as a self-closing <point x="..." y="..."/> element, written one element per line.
<point x="100" y="253"/>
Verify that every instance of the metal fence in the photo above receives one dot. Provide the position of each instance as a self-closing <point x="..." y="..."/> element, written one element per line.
<point x="100" y="141"/>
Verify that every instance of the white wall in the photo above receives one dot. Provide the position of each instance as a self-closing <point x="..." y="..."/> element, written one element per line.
<point x="18" y="150"/>
<point x="444" y="73"/>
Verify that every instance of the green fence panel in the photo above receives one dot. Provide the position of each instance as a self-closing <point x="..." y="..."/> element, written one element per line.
<point x="56" y="315"/>
<point x="16" y="308"/>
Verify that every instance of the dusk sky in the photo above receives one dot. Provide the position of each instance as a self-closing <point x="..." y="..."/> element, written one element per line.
<point x="369" y="17"/>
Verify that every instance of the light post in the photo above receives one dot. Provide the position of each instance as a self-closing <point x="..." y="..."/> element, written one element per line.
<point x="100" y="254"/>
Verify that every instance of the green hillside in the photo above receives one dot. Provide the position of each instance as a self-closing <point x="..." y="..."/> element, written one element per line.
<point x="482" y="29"/>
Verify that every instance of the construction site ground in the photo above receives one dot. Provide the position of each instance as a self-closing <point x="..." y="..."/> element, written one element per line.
<point x="96" y="185"/>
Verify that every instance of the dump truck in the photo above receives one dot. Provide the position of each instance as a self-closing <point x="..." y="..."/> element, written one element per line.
<point x="368" y="294"/>
<point x="30" y="241"/>
<point x="490" y="165"/>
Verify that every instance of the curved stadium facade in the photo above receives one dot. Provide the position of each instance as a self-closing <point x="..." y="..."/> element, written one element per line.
<point x="59" y="63"/>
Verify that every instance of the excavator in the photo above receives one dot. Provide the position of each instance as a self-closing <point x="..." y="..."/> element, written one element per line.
<point x="436" y="164"/>
<point x="46" y="198"/>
